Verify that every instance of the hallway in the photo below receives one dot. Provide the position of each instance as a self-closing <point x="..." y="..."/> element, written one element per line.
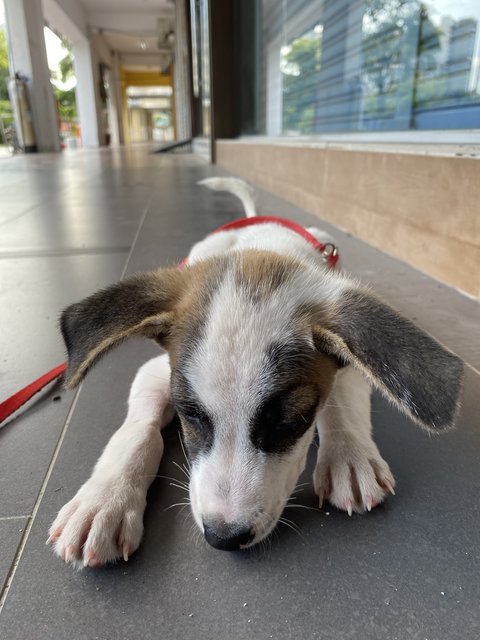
<point x="74" y="222"/>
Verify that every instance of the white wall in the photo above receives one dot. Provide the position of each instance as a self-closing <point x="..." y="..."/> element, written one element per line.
<point x="87" y="101"/>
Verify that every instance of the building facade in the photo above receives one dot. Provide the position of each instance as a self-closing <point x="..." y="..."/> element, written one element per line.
<point x="364" y="112"/>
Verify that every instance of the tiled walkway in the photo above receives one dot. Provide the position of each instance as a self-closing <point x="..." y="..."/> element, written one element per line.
<point x="409" y="570"/>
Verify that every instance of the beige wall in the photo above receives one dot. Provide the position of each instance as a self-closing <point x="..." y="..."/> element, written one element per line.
<point x="422" y="209"/>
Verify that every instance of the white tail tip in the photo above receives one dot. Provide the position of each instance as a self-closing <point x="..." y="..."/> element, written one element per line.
<point x="236" y="187"/>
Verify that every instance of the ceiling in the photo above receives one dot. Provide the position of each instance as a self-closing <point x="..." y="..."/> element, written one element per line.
<point x="128" y="5"/>
<point x="136" y="29"/>
<point x="133" y="43"/>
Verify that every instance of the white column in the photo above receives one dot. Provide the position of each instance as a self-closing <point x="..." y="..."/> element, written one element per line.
<point x="112" y="113"/>
<point x="28" y="56"/>
<point x="183" y="119"/>
<point x="118" y="136"/>
<point x="85" y="92"/>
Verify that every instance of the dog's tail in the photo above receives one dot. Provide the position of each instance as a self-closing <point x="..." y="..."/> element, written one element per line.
<point x="238" y="188"/>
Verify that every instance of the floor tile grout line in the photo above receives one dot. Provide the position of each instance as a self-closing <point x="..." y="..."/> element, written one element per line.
<point x="470" y="366"/>
<point x="31" y="520"/>
<point x="29" y="210"/>
<point x="62" y="253"/>
<point x="5" y="518"/>
<point x="24" y="539"/>
<point x="137" y="234"/>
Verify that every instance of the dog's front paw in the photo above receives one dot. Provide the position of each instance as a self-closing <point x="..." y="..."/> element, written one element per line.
<point x="352" y="475"/>
<point x="102" y="523"/>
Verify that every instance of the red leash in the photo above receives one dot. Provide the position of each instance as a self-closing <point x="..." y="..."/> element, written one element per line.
<point x="12" y="404"/>
<point x="328" y="251"/>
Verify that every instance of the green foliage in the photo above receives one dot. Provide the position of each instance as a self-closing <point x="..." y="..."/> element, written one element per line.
<point x="6" y="112"/>
<point x="391" y="71"/>
<point x="67" y="106"/>
<point x="66" y="63"/>
<point x="386" y="29"/>
<point x="301" y="65"/>
<point x="4" y="71"/>
<point x="3" y="50"/>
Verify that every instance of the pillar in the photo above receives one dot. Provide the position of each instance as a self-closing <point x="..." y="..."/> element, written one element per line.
<point x="182" y="79"/>
<point x="85" y="92"/>
<point x="28" y="56"/>
<point x="116" y="96"/>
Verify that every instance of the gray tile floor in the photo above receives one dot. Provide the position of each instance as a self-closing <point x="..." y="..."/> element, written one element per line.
<point x="408" y="570"/>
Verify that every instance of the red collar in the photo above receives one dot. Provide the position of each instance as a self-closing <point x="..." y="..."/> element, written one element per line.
<point x="328" y="250"/>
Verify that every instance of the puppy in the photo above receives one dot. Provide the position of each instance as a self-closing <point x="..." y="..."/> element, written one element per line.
<point x="264" y="344"/>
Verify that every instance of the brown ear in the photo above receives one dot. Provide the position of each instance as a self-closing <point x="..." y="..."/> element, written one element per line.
<point x="140" y="305"/>
<point x="410" y="368"/>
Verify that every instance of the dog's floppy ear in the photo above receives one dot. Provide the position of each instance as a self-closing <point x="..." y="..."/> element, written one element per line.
<point x="140" y="305"/>
<point x="410" y="368"/>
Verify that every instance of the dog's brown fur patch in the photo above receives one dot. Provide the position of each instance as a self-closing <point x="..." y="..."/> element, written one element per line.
<point x="261" y="273"/>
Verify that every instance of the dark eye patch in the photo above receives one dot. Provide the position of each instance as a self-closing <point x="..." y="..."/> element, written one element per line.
<point x="283" y="418"/>
<point x="197" y="426"/>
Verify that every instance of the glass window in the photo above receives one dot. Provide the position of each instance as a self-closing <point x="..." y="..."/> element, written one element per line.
<point x="370" y="65"/>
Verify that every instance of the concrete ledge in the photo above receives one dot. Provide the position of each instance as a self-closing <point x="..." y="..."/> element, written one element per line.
<point x="422" y="209"/>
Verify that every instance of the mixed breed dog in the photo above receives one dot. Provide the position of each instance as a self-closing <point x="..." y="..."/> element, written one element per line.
<point x="264" y="344"/>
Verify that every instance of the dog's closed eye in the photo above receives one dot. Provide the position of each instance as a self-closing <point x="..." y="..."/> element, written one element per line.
<point x="197" y="425"/>
<point x="195" y="416"/>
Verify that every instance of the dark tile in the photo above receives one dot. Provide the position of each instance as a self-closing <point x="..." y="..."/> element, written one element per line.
<point x="11" y="532"/>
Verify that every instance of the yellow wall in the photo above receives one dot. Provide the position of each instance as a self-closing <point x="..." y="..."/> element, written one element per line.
<point x="141" y="79"/>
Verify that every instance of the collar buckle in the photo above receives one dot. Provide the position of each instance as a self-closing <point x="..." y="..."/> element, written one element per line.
<point x="329" y="252"/>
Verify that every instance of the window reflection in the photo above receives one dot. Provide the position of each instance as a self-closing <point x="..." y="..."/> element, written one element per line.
<point x="370" y="65"/>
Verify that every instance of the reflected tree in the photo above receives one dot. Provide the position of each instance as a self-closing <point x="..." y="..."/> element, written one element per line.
<point x="399" y="46"/>
<point x="300" y="65"/>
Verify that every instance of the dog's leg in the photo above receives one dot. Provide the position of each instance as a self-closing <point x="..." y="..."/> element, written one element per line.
<point x="104" y="521"/>
<point x="350" y="471"/>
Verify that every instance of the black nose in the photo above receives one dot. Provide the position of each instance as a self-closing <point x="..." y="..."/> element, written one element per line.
<point x="227" y="536"/>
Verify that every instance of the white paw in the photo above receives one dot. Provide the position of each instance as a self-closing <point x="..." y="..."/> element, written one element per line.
<point x="102" y="523"/>
<point x="352" y="475"/>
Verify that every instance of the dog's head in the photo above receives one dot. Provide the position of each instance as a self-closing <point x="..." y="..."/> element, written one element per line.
<point x="255" y="341"/>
